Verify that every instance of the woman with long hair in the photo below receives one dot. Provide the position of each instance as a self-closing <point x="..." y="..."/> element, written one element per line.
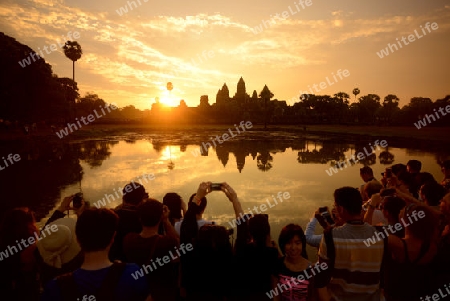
<point x="294" y="263"/>
<point x="212" y="251"/>
<point x="176" y="205"/>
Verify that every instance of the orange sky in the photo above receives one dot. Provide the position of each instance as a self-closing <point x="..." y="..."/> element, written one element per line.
<point x="128" y="57"/>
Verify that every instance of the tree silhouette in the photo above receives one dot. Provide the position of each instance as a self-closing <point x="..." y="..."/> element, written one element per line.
<point x="386" y="157"/>
<point x="266" y="95"/>
<point x="356" y="92"/>
<point x="73" y="51"/>
<point x="390" y="106"/>
<point x="264" y="161"/>
<point x="368" y="106"/>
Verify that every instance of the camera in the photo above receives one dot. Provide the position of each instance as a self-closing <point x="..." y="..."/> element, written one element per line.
<point x="326" y="215"/>
<point x="76" y="200"/>
<point x="216" y="186"/>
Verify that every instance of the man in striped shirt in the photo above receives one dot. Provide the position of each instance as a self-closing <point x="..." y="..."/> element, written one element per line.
<point x="355" y="272"/>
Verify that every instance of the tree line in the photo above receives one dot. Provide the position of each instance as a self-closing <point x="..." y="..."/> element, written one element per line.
<point x="36" y="94"/>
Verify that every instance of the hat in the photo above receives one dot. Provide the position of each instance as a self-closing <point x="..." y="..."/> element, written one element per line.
<point x="60" y="246"/>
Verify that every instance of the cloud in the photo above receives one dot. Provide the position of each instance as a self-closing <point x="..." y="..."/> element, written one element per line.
<point x="138" y="55"/>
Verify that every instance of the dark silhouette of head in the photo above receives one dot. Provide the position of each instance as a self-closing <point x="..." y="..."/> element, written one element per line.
<point x="372" y="187"/>
<point x="18" y="223"/>
<point x="393" y="205"/>
<point x="366" y="173"/>
<point x="259" y="229"/>
<point x="173" y="201"/>
<point x="134" y="193"/>
<point x="397" y="168"/>
<point x="150" y="212"/>
<point x="413" y="166"/>
<point x="96" y="228"/>
<point x="349" y="199"/>
<point x="432" y="193"/>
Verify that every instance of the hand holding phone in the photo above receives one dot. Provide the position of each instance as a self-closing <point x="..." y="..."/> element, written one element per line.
<point x="76" y="200"/>
<point x="326" y="215"/>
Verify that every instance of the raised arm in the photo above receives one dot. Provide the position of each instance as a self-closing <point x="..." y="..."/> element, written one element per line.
<point x="170" y="230"/>
<point x="312" y="239"/>
<point x="374" y="202"/>
<point x="232" y="196"/>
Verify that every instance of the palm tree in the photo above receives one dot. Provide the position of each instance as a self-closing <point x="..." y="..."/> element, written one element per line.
<point x="356" y="92"/>
<point x="265" y="94"/>
<point x="73" y="51"/>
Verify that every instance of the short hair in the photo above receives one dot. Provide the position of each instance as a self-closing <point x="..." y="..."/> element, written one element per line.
<point x="136" y="195"/>
<point x="150" y="212"/>
<point x="95" y="229"/>
<point x="433" y="192"/>
<point x="366" y="170"/>
<point x="349" y="198"/>
<point x="393" y="205"/>
<point x="372" y="187"/>
<point x="424" y="178"/>
<point x="259" y="228"/>
<point x="289" y="232"/>
<point x="16" y="223"/>
<point x="397" y="168"/>
<point x="414" y="164"/>
<point x="173" y="201"/>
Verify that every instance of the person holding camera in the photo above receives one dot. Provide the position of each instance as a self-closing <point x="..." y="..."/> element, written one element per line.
<point x="326" y="219"/>
<point x="199" y="198"/>
<point x="354" y="268"/>
<point x="60" y="253"/>
<point x="211" y="248"/>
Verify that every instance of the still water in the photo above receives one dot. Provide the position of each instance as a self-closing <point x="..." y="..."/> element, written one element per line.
<point x="257" y="166"/>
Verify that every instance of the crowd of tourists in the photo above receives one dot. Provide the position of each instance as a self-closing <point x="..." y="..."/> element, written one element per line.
<point x="386" y="240"/>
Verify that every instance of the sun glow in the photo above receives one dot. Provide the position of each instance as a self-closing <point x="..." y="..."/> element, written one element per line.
<point x="168" y="99"/>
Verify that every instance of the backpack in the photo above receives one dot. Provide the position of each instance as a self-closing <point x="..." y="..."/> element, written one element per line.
<point x="106" y="292"/>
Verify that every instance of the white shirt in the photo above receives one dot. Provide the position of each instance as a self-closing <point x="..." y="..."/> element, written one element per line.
<point x="200" y="223"/>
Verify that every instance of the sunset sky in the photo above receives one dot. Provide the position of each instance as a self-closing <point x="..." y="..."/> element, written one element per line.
<point x="198" y="45"/>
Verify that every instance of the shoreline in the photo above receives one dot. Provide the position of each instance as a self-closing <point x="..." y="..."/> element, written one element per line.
<point x="432" y="135"/>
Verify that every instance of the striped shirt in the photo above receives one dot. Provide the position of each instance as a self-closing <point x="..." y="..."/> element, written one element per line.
<point x="356" y="273"/>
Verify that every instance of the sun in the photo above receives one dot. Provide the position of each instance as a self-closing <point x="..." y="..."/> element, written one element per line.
<point x="168" y="99"/>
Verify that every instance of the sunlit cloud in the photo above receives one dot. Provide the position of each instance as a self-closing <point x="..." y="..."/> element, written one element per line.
<point x="136" y="55"/>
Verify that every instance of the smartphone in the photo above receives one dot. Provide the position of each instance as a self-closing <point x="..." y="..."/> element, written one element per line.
<point x="76" y="200"/>
<point x="326" y="215"/>
<point x="216" y="186"/>
<point x="323" y="209"/>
